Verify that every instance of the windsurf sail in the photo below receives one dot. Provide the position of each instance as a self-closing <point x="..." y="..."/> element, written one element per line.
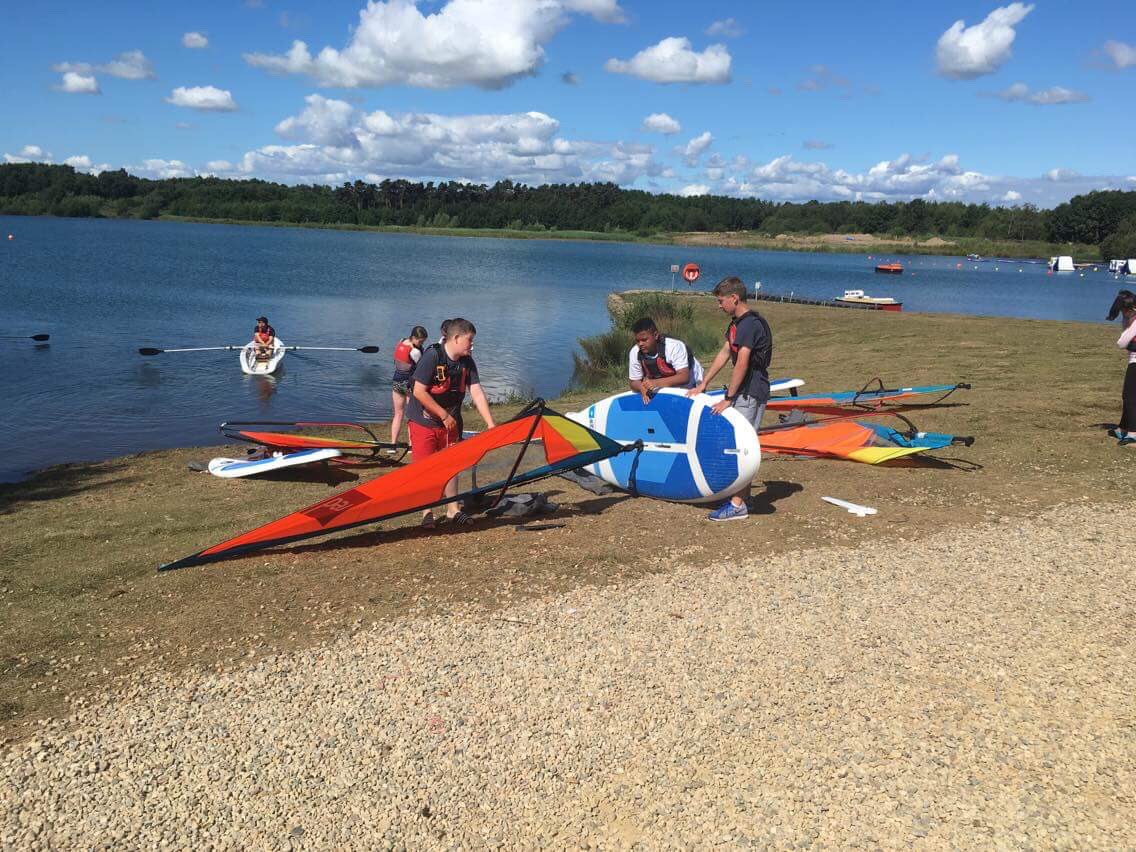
<point x="871" y="395"/>
<point x="869" y="443"/>
<point x="565" y="445"/>
<point x="239" y="430"/>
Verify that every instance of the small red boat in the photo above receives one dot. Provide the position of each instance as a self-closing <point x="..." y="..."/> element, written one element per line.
<point x="890" y="268"/>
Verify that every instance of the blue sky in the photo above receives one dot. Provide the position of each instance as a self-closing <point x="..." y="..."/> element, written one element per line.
<point x="1011" y="103"/>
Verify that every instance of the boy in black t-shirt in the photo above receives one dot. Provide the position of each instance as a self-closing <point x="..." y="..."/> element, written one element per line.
<point x="749" y="344"/>
<point x="443" y="375"/>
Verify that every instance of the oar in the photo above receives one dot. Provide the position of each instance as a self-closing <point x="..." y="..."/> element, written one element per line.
<point x="369" y="350"/>
<point x="148" y="350"/>
<point x="37" y="337"/>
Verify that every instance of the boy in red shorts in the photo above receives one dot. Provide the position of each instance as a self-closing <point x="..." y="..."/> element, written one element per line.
<point x="443" y="375"/>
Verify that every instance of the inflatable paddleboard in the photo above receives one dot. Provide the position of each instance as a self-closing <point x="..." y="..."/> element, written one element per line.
<point x="235" y="468"/>
<point x="690" y="455"/>
<point x="252" y="367"/>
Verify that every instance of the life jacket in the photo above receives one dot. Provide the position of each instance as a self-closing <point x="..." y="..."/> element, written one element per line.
<point x="444" y="382"/>
<point x="404" y="354"/>
<point x="658" y="367"/>
<point x="263" y="337"/>
<point x="757" y="360"/>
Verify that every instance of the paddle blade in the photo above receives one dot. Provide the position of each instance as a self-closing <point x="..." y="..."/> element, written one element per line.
<point x="40" y="337"/>
<point x="369" y="350"/>
<point x="147" y="350"/>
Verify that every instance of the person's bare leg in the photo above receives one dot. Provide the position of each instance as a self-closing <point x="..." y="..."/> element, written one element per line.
<point x="398" y="404"/>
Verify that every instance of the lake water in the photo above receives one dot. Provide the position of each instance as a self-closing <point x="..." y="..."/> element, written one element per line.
<point x="103" y="288"/>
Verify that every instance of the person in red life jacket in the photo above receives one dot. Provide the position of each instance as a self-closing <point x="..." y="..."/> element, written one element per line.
<point x="444" y="374"/>
<point x="749" y="345"/>
<point x="657" y="361"/>
<point x="264" y="336"/>
<point x="406" y="356"/>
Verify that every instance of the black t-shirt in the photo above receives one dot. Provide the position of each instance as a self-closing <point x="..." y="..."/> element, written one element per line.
<point x="752" y="332"/>
<point x="446" y="379"/>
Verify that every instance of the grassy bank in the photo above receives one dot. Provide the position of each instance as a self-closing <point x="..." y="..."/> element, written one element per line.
<point x="82" y="603"/>
<point x="823" y="243"/>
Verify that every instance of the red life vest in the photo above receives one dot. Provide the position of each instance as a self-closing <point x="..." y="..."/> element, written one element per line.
<point x="658" y="367"/>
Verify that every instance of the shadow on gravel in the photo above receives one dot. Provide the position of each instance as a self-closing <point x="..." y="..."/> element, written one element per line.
<point x="775" y="489"/>
<point x="64" y="481"/>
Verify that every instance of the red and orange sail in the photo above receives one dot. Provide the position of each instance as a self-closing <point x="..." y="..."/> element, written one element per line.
<point x="420" y="485"/>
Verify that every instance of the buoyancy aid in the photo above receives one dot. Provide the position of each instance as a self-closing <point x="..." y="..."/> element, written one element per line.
<point x="657" y="366"/>
<point x="444" y="380"/>
<point x="758" y="360"/>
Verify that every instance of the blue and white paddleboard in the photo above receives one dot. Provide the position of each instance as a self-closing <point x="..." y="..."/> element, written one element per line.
<point x="775" y="386"/>
<point x="690" y="455"/>
<point x="234" y="468"/>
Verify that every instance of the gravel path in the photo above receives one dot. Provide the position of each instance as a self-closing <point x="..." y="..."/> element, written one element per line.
<point x="971" y="689"/>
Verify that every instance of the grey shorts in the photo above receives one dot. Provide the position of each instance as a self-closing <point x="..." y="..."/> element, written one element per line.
<point x="750" y="409"/>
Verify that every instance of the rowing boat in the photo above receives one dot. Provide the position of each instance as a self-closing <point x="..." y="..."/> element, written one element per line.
<point x="254" y="366"/>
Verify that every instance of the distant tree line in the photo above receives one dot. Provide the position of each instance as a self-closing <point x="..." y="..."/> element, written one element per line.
<point x="1107" y="219"/>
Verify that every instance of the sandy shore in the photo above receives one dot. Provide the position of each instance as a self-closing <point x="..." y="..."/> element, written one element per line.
<point x="970" y="689"/>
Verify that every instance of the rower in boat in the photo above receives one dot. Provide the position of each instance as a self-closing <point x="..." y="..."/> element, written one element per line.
<point x="264" y="337"/>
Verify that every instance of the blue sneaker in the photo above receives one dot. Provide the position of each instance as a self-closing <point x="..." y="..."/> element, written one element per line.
<point x="1115" y="432"/>
<point x="729" y="512"/>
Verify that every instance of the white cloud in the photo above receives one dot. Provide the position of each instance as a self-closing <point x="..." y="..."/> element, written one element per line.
<point x="82" y="161"/>
<point x="131" y="65"/>
<point x="208" y="98"/>
<point x="158" y="169"/>
<point x="1020" y="92"/>
<point x="195" y="40"/>
<point x="693" y="149"/>
<point x="1058" y="175"/>
<point x="29" y="154"/>
<point x="726" y="28"/>
<point x="1122" y="55"/>
<point x="334" y="141"/>
<point x="660" y="122"/>
<point x="325" y="121"/>
<point x="487" y="43"/>
<point x="75" y="83"/>
<point x="1012" y="196"/>
<point x="693" y="189"/>
<point x="964" y="53"/>
<point x="673" y="60"/>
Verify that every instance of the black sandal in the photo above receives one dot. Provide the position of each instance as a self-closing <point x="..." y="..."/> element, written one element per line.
<point x="461" y="519"/>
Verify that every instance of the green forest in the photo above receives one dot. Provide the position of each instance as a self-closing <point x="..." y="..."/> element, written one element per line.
<point x="1104" y="219"/>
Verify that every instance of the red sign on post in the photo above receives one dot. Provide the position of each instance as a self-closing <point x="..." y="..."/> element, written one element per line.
<point x="691" y="272"/>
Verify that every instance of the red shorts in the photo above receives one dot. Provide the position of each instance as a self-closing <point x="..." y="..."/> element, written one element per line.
<point x="427" y="440"/>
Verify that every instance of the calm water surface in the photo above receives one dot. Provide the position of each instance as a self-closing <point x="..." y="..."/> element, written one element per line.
<point x="102" y="288"/>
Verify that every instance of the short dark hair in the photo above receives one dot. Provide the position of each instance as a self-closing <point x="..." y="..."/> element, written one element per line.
<point x="645" y="324"/>
<point x="262" y="319"/>
<point x="731" y="286"/>
<point x="419" y="332"/>
<point x="1125" y="301"/>
<point x="458" y="326"/>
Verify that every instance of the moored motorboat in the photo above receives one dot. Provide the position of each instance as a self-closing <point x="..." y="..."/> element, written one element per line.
<point x="890" y="268"/>
<point x="857" y="297"/>
<point x="253" y="365"/>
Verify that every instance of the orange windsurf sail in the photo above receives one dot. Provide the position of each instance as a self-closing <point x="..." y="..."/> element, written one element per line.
<point x="420" y="485"/>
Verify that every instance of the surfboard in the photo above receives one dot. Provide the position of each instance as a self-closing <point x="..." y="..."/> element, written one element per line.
<point x="235" y="468"/>
<point x="690" y="454"/>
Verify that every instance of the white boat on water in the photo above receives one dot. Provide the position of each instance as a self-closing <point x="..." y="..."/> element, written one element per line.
<point x="857" y="297"/>
<point x="253" y="365"/>
<point x="1064" y="263"/>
